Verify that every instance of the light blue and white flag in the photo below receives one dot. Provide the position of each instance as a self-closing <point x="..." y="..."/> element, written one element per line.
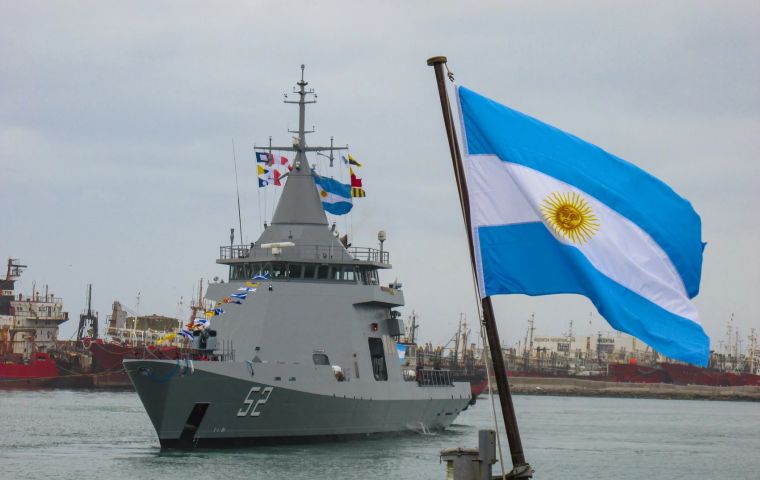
<point x="260" y="277"/>
<point x="335" y="196"/>
<point x="186" y="333"/>
<point x="401" y="348"/>
<point x="246" y="289"/>
<point x="552" y="213"/>
<point x="241" y="296"/>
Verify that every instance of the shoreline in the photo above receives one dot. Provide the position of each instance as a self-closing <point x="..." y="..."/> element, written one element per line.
<point x="591" y="388"/>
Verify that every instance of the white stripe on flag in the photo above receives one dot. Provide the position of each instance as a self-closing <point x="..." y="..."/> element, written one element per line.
<point x="620" y="249"/>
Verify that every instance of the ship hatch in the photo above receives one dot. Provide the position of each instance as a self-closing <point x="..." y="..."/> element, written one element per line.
<point x="378" y="359"/>
<point x="192" y="423"/>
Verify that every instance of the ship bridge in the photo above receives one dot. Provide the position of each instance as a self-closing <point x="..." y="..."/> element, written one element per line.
<point x="287" y="260"/>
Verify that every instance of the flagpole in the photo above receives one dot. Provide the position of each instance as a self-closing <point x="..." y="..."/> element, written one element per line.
<point x="521" y="469"/>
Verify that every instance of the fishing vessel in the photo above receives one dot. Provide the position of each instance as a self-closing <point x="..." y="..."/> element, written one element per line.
<point x="308" y="350"/>
<point x="464" y="362"/>
<point x="128" y="337"/>
<point x="31" y="354"/>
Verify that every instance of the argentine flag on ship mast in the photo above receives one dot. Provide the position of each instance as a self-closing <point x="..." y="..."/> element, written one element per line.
<point x="552" y="213"/>
<point x="335" y="196"/>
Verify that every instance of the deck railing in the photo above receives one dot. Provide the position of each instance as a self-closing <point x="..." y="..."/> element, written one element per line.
<point x="307" y="252"/>
<point x="434" y="378"/>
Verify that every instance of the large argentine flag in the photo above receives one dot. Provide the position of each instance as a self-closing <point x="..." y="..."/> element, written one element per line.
<point x="554" y="214"/>
<point x="335" y="196"/>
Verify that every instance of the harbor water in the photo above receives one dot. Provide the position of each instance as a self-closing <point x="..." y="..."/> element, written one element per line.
<point x="59" y="434"/>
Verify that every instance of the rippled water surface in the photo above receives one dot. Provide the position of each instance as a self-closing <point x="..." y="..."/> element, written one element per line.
<point x="106" y="435"/>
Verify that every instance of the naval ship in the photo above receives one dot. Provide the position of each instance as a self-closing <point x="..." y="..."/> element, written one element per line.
<point x="311" y="355"/>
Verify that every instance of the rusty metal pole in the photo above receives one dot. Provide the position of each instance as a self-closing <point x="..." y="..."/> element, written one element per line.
<point x="521" y="469"/>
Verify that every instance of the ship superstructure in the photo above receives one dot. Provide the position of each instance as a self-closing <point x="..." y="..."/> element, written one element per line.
<point x="310" y="354"/>
<point x="28" y="324"/>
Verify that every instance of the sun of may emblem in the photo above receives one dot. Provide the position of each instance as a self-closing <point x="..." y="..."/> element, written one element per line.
<point x="570" y="216"/>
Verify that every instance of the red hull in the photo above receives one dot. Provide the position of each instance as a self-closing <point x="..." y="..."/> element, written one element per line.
<point x="106" y="372"/>
<point x="679" y="374"/>
<point x="627" y="373"/>
<point x="107" y="361"/>
<point x="476" y="388"/>
<point x="476" y="378"/>
<point x="39" y="371"/>
<point x="673" y="373"/>
<point x="691" y="375"/>
<point x="676" y="374"/>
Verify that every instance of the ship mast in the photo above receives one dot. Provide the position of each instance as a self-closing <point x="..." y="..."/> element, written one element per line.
<point x="456" y="342"/>
<point x="299" y="143"/>
<point x="752" y="352"/>
<point x="299" y="202"/>
<point x="413" y="328"/>
<point x="14" y="269"/>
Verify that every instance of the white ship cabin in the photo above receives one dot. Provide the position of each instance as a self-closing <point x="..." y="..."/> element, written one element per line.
<point x="32" y="324"/>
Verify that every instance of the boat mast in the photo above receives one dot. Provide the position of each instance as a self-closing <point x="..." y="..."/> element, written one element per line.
<point x="455" y="363"/>
<point x="299" y="143"/>
<point x="302" y="110"/>
<point x="413" y="328"/>
<point x="299" y="202"/>
<point x="14" y="269"/>
<point x="521" y="468"/>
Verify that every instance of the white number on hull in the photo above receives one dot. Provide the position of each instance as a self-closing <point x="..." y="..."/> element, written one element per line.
<point x="248" y="401"/>
<point x="264" y="397"/>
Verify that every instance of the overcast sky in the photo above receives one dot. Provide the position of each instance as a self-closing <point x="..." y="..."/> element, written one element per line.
<point x="117" y="119"/>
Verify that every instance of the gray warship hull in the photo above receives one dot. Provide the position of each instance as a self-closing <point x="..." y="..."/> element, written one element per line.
<point x="221" y="404"/>
<point x="301" y="343"/>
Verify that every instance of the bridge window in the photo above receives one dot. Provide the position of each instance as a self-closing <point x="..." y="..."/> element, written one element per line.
<point x="369" y="277"/>
<point x="294" y="270"/>
<point x="237" y="272"/>
<point x="320" y="359"/>
<point x="349" y="274"/>
<point x="322" y="272"/>
<point x="278" y="270"/>
<point x="245" y="271"/>
<point x="336" y="273"/>
<point x="281" y="270"/>
<point x="309" y="270"/>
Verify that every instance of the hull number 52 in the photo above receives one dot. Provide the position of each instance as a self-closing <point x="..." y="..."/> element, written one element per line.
<point x="250" y="401"/>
